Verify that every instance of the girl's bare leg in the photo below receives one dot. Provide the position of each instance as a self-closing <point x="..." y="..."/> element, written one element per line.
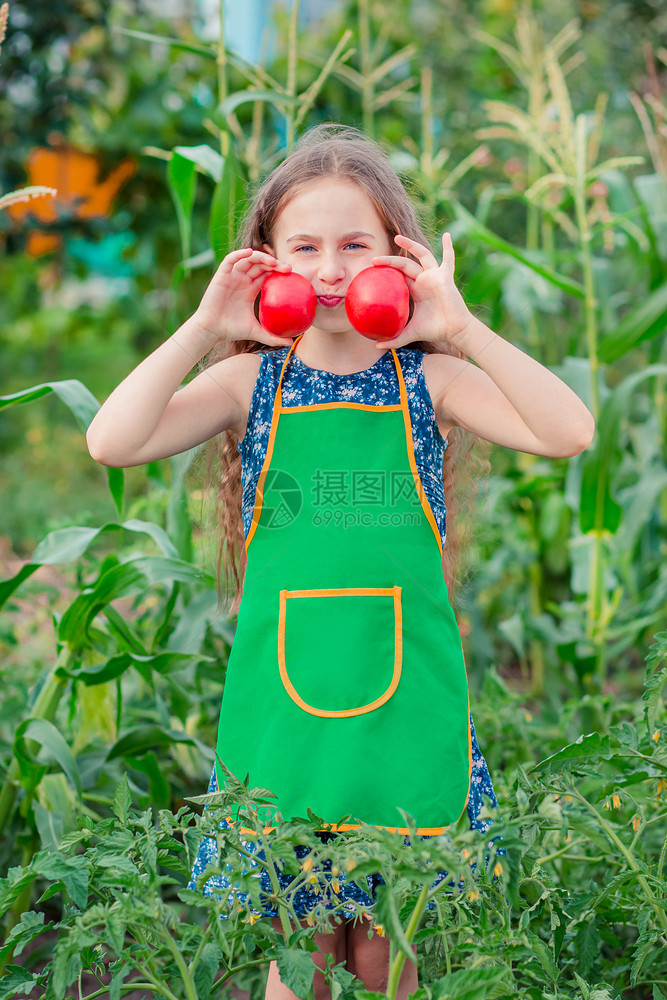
<point x="368" y="959"/>
<point x="329" y="944"/>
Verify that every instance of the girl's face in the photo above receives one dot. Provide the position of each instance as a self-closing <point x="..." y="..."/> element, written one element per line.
<point x="329" y="231"/>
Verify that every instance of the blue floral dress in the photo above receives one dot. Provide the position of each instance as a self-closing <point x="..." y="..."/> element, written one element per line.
<point x="377" y="385"/>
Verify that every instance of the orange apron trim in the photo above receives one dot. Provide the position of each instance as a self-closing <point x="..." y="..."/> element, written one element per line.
<point x="344" y="713"/>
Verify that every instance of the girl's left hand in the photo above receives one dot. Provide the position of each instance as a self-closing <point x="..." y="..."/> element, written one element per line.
<point x="439" y="310"/>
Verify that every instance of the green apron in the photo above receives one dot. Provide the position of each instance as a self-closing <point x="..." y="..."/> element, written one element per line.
<point x="346" y="691"/>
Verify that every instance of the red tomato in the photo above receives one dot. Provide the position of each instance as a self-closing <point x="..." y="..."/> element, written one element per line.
<point x="287" y="304"/>
<point x="377" y="302"/>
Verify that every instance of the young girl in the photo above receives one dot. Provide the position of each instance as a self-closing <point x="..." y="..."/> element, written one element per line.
<point x="346" y="650"/>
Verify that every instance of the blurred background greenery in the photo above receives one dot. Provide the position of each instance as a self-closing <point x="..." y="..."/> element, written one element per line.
<point x="82" y="77"/>
<point x="536" y="133"/>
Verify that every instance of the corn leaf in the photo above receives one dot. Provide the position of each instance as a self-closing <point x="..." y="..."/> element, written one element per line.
<point x="227" y="207"/>
<point x="475" y="230"/>
<point x="235" y="100"/>
<point x="598" y="510"/>
<point x="68" y="544"/>
<point x="645" y="321"/>
<point x="205" y="157"/>
<point x="182" y="181"/>
<point x="53" y="750"/>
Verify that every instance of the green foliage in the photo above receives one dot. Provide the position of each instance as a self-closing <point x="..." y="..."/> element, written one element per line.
<point x="501" y="122"/>
<point x="567" y="897"/>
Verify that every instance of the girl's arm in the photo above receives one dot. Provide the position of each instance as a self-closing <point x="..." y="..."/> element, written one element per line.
<point x="145" y="418"/>
<point x="510" y="399"/>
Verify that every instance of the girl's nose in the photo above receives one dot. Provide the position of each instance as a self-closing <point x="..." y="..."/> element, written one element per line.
<point x="330" y="268"/>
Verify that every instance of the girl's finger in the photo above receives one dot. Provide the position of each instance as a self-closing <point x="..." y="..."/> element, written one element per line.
<point x="258" y="269"/>
<point x="409" y="268"/>
<point x="232" y="258"/>
<point x="406" y="336"/>
<point x="448" y="256"/>
<point x="418" y="250"/>
<point x="264" y="337"/>
<point x="266" y="260"/>
<point x="410" y="332"/>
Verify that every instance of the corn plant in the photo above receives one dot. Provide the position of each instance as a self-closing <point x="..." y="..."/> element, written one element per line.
<point x="95" y="646"/>
<point x="566" y="191"/>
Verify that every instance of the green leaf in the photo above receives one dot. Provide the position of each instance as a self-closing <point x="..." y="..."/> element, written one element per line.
<point x="589" y="748"/>
<point x="296" y="968"/>
<point x="122" y="800"/>
<point x="179" y="524"/>
<point x="234" y="101"/>
<point x="587" y="945"/>
<point x="652" y="192"/>
<point x="205" y="157"/>
<point x="84" y="406"/>
<point x="648" y="937"/>
<point x="29" y="927"/>
<point x="72" y="872"/>
<point x="162" y="663"/>
<point x="117" y="977"/>
<point x="15" y="981"/>
<point x="73" y="393"/>
<point x="182" y="180"/>
<point x="189" y="629"/>
<point x="143" y="738"/>
<point x="591" y="993"/>
<point x="126" y="580"/>
<point x="386" y="914"/>
<point x="68" y="544"/>
<point x="469" y="984"/>
<point x="598" y="509"/>
<point x="53" y="750"/>
<point x="227" y="206"/>
<point x="477" y="231"/>
<point x="159" y="786"/>
<point x="656" y="678"/>
<point x="645" y="321"/>
<point x="208" y="52"/>
<point x="50" y="825"/>
<point x="206" y="969"/>
<point x="544" y="956"/>
<point x="115" y="928"/>
<point x="12" y="886"/>
<point x="116" y="863"/>
<point x="66" y="965"/>
<point x="116" y="479"/>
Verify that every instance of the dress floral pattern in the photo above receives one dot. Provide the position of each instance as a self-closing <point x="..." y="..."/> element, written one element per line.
<point x="376" y="385"/>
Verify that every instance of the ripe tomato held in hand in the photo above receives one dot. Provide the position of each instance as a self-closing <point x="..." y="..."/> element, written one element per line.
<point x="287" y="304"/>
<point x="377" y="302"/>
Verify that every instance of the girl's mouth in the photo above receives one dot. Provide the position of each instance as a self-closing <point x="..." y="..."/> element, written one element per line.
<point x="330" y="301"/>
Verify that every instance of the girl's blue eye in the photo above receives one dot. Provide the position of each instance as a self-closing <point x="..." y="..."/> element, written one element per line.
<point x="309" y="246"/>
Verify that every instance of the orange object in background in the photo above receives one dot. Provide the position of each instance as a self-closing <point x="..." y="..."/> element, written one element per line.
<point x="81" y="195"/>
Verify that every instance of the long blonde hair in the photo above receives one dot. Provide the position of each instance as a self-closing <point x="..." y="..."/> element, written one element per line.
<point x="331" y="150"/>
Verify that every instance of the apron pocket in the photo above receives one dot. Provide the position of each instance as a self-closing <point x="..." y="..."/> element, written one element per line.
<point x="340" y="652"/>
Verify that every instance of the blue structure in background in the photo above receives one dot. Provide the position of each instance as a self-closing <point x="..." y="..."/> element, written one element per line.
<point x="248" y="24"/>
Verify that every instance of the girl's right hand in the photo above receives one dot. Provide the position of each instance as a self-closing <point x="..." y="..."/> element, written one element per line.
<point x="226" y="311"/>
